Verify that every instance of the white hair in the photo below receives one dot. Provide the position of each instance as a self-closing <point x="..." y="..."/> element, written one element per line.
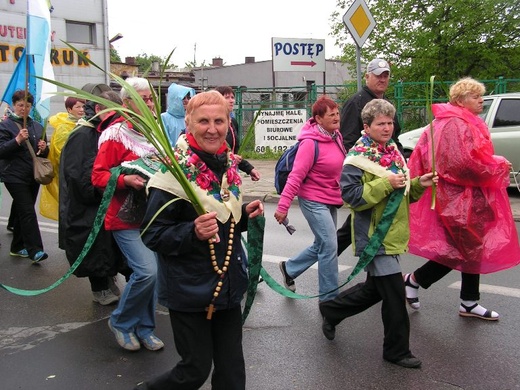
<point x="137" y="83"/>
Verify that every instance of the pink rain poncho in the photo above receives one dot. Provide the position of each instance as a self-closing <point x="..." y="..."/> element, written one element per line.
<point x="471" y="228"/>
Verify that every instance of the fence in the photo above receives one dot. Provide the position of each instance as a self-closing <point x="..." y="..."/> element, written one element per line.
<point x="409" y="98"/>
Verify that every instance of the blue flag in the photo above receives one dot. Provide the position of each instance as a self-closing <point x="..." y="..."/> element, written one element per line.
<point x="18" y="80"/>
<point x="39" y="46"/>
<point x="37" y="57"/>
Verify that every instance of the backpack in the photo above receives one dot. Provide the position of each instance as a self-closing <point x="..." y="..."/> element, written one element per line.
<point x="285" y="163"/>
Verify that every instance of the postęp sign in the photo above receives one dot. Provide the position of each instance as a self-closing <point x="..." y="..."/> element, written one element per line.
<point x="292" y="54"/>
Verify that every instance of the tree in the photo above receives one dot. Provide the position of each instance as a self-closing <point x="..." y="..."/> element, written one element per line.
<point x="114" y="55"/>
<point x="145" y="61"/>
<point x="449" y="39"/>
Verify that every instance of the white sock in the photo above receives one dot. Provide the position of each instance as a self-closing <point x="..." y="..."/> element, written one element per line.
<point x="479" y="310"/>
<point x="412" y="292"/>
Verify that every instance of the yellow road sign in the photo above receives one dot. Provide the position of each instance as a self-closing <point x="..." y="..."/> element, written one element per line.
<point x="359" y="21"/>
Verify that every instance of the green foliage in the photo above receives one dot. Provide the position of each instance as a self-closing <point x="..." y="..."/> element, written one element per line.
<point x="114" y="55"/>
<point x="451" y="39"/>
<point x="142" y="119"/>
<point x="267" y="155"/>
<point x="193" y="64"/>
<point x="250" y="134"/>
<point x="345" y="92"/>
<point x="145" y="61"/>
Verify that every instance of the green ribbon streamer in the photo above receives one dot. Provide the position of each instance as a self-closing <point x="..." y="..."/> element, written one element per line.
<point x="255" y="248"/>
<point x="98" y="222"/>
<point x="366" y="257"/>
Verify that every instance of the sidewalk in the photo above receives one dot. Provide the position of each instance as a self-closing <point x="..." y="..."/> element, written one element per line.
<point x="264" y="188"/>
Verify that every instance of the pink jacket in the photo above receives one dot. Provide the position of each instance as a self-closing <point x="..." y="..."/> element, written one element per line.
<point x="471" y="229"/>
<point x="317" y="182"/>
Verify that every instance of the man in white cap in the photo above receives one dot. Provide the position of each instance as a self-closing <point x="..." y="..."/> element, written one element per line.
<point x="377" y="78"/>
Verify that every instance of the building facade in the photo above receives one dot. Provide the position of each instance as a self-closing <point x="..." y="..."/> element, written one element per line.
<point x="81" y="24"/>
<point x="260" y="74"/>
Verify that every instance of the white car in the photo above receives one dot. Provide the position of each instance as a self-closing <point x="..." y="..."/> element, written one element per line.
<point x="502" y="115"/>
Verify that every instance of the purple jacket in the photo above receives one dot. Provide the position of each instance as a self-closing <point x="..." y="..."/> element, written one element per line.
<point x="315" y="182"/>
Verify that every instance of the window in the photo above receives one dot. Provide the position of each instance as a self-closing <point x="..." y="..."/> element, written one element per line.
<point x="78" y="32"/>
<point x="285" y="100"/>
<point x="485" y="108"/>
<point x="265" y="97"/>
<point x="508" y="113"/>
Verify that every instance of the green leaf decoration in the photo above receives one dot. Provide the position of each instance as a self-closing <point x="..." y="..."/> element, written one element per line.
<point x="144" y="121"/>
<point x="250" y="133"/>
<point x="429" y="102"/>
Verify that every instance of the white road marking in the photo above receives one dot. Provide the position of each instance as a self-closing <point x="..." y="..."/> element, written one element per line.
<point x="19" y="339"/>
<point x="277" y="259"/>
<point x="491" y="289"/>
<point x="49" y="227"/>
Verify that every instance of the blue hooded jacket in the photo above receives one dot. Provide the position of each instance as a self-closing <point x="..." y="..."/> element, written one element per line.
<point x="173" y="118"/>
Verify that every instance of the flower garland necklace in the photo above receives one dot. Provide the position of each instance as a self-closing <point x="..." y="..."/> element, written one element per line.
<point x="387" y="155"/>
<point x="197" y="171"/>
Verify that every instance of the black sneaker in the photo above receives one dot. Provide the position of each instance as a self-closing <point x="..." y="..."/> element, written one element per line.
<point x="409" y="362"/>
<point x="328" y="329"/>
<point x="288" y="282"/>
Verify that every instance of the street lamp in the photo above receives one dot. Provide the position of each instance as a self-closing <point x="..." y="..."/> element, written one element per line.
<point x="115" y="38"/>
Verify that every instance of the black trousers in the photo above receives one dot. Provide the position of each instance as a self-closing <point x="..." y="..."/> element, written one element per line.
<point x="432" y="271"/>
<point x="98" y="283"/>
<point x="26" y="233"/>
<point x="201" y="342"/>
<point x="390" y="290"/>
<point x="344" y="235"/>
<point x="12" y="213"/>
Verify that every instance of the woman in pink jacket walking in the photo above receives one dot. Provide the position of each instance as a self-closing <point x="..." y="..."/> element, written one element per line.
<point x="316" y="183"/>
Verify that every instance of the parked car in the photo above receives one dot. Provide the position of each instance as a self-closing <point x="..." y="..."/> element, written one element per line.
<point x="502" y="115"/>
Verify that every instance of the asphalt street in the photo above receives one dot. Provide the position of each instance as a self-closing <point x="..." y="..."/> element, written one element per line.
<point x="60" y="339"/>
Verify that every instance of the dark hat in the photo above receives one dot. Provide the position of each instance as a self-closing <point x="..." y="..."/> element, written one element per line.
<point x="96" y="89"/>
<point x="378" y="66"/>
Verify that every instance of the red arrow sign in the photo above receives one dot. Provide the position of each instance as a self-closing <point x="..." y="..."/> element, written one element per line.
<point x="303" y="63"/>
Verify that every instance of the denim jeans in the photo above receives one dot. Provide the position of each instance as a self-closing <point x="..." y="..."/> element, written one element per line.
<point x="322" y="221"/>
<point x="136" y="309"/>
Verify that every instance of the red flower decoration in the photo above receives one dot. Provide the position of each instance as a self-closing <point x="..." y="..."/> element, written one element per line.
<point x="203" y="181"/>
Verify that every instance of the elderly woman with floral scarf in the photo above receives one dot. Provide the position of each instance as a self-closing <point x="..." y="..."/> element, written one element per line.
<point x="375" y="183"/>
<point x="202" y="276"/>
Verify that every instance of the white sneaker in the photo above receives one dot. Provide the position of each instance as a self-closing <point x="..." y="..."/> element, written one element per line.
<point x="104" y="297"/>
<point x="112" y="285"/>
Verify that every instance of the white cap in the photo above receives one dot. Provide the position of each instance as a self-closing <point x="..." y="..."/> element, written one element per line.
<point x="378" y="66"/>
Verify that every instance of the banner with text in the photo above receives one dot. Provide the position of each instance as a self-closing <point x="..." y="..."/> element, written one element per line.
<point x="277" y="129"/>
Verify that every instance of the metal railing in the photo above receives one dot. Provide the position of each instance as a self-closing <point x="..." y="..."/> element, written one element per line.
<point x="409" y="98"/>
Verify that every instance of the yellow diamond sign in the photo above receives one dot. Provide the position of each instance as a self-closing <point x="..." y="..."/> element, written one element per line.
<point x="359" y="21"/>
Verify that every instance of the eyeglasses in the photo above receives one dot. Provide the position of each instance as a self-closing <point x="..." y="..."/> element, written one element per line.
<point x="23" y="105"/>
<point x="145" y="98"/>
